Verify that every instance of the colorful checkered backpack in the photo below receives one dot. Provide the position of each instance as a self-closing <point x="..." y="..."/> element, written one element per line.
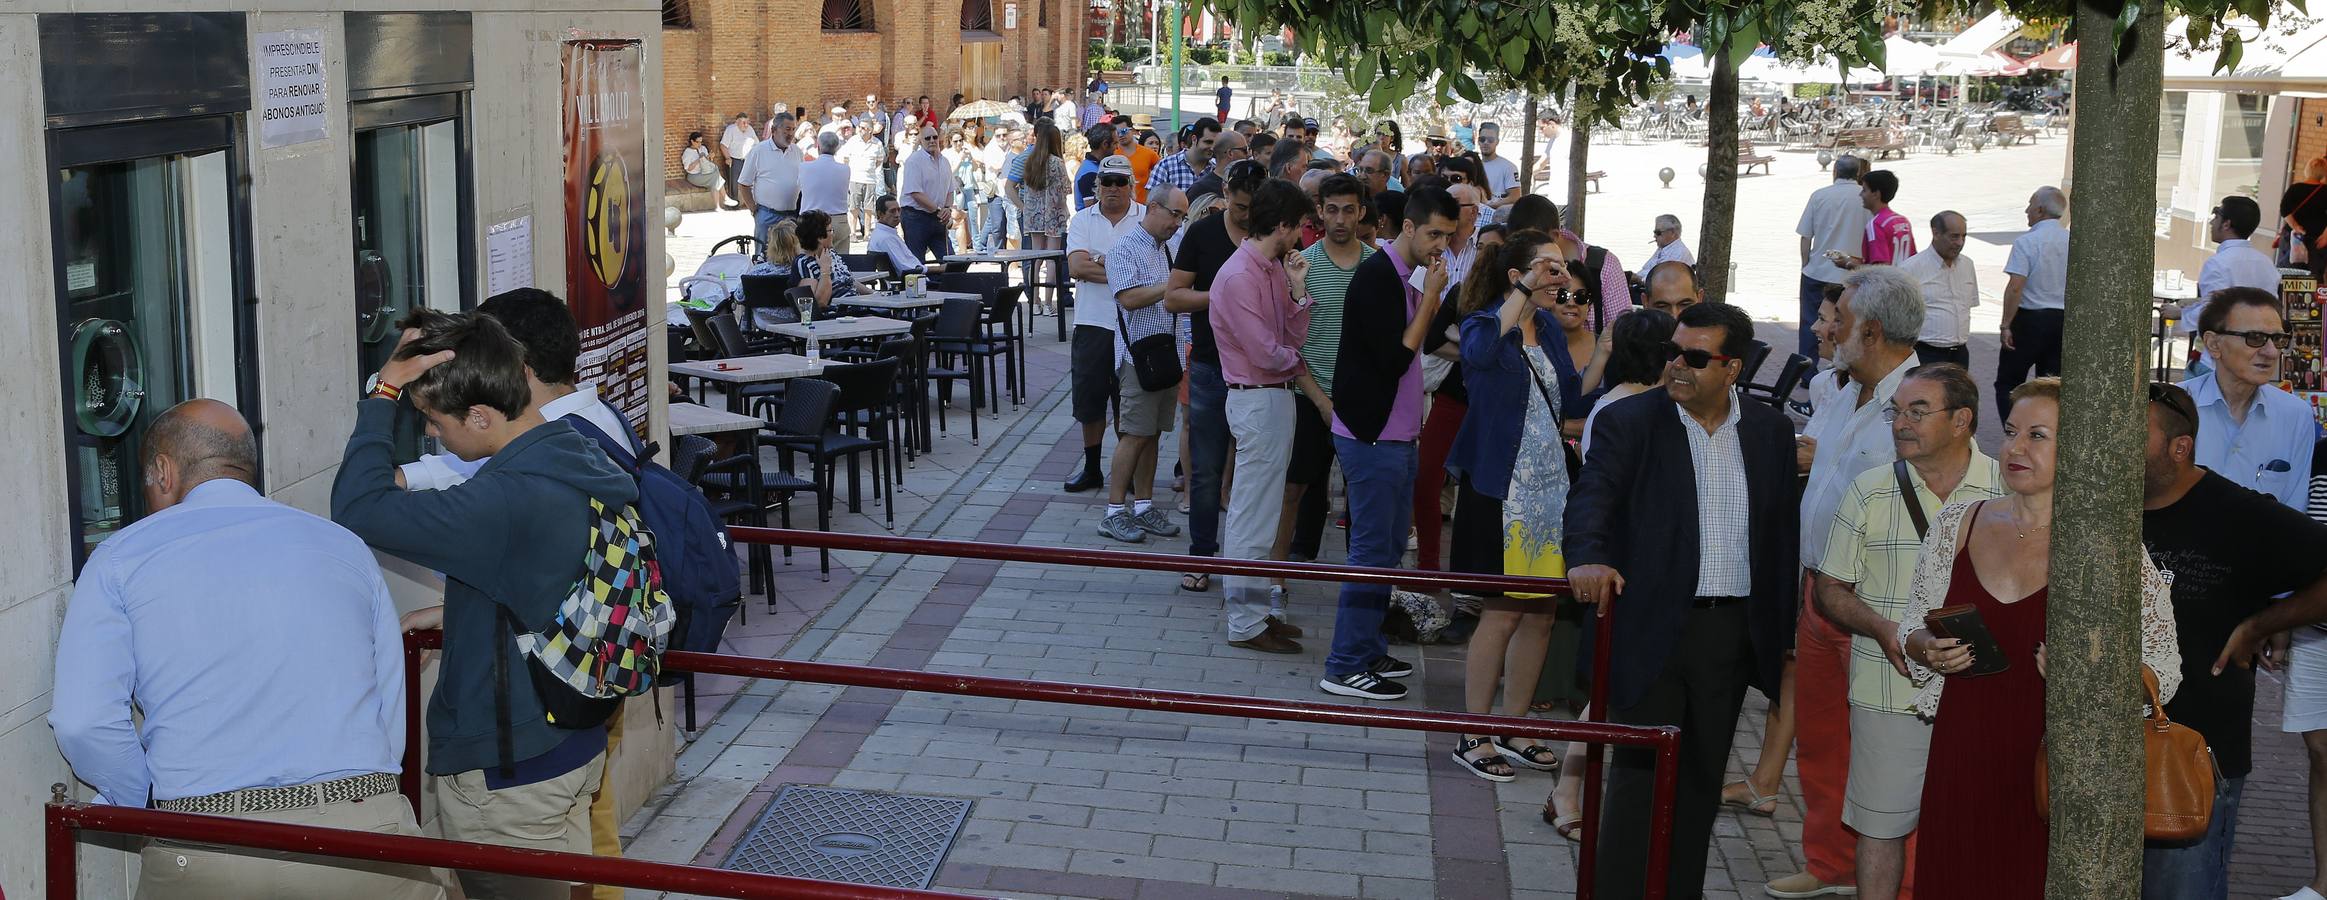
<point x="607" y="640"/>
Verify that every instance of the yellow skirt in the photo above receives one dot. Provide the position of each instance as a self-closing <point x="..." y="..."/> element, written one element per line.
<point x="1521" y="557"/>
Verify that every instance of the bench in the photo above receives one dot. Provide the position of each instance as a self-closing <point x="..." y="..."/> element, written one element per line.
<point x="1593" y="179"/>
<point x="2011" y="129"/>
<point x="1877" y="141"/>
<point x="1747" y="158"/>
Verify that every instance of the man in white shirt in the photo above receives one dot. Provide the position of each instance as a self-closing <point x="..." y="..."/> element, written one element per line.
<point x="1093" y="231"/>
<point x="925" y="188"/>
<point x="1877" y="320"/>
<point x="2035" y="297"/>
<point x="824" y="187"/>
<point x="1502" y="174"/>
<point x="1833" y="222"/>
<point x="886" y="241"/>
<point x="553" y="346"/>
<point x="1668" y="244"/>
<point x="2235" y="262"/>
<point x="833" y="122"/>
<point x="1950" y="289"/>
<point x="737" y="140"/>
<point x="772" y="177"/>
<point x="863" y="157"/>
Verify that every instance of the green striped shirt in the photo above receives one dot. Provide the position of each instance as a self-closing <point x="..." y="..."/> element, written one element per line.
<point x="1327" y="284"/>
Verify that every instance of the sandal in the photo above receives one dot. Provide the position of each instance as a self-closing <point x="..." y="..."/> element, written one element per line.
<point x="1536" y="756"/>
<point x="1479" y="767"/>
<point x="1196" y="582"/>
<point x="1755" y="802"/>
<point x="1568" y="826"/>
<point x="1543" y="706"/>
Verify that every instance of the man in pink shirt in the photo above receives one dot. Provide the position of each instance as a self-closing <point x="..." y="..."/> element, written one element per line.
<point x="1890" y="238"/>
<point x="1260" y="316"/>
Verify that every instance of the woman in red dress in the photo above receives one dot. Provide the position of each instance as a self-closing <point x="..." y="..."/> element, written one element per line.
<point x="1980" y="834"/>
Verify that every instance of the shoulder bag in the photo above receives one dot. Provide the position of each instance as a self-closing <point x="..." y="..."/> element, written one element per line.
<point x="1907" y="496"/>
<point x="2295" y="253"/>
<point x="1155" y="359"/>
<point x="2181" y="775"/>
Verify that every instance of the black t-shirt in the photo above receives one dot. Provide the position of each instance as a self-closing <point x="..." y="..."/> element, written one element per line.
<point x="2230" y="550"/>
<point x="2309" y="211"/>
<point x="1207" y="183"/>
<point x="1206" y="248"/>
<point x="1449" y="316"/>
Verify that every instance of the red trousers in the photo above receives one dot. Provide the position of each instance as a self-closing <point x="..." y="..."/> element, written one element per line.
<point x="1438" y="430"/>
<point x="1822" y="743"/>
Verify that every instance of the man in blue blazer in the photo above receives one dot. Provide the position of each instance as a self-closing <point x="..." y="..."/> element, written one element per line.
<point x="1684" y="529"/>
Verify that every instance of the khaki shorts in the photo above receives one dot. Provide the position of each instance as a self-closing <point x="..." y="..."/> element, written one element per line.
<point x="178" y="871"/>
<point x="546" y="815"/>
<point x="1887" y="755"/>
<point x="1144" y="413"/>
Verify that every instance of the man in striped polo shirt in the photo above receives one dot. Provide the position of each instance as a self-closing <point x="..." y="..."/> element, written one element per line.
<point x="1341" y="201"/>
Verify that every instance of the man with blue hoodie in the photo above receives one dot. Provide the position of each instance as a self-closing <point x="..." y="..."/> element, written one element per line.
<point x="511" y="537"/>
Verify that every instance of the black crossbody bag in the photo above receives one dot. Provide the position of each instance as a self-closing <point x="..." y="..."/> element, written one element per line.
<point x="1155" y="359"/>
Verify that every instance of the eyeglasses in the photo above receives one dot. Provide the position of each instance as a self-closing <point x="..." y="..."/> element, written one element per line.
<point x="2258" y="338"/>
<point x="1114" y="181"/>
<point x="2173" y="397"/>
<point x="1892" y="413"/>
<point x="1696" y="359"/>
<point x="1176" y="214"/>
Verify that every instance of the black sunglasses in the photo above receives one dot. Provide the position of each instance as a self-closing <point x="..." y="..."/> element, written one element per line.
<point x="1696" y="359"/>
<point x="1570" y="298"/>
<point x="1114" y="181"/>
<point x="2174" y="397"/>
<point x="2258" y="338"/>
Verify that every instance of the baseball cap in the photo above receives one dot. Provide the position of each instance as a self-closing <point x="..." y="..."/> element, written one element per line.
<point x="1309" y="124"/>
<point x="1115" y="165"/>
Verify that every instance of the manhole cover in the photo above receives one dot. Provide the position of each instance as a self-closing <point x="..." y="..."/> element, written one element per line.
<point x="895" y="840"/>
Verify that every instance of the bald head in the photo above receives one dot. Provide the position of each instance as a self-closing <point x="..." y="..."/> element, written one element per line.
<point x="194" y="442"/>
<point x="1672" y="287"/>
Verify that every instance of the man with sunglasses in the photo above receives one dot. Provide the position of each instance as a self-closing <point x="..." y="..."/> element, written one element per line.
<point x="1685" y="519"/>
<point x="1863" y="585"/>
<point x="2231" y="551"/>
<point x="1877" y="320"/>
<point x="2253" y="432"/>
<point x="1092" y="232"/>
<point x="1502" y="175"/>
<point x="926" y="187"/>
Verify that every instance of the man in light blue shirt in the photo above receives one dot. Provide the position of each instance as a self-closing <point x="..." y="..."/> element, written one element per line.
<point x="2035" y="297"/>
<point x="2249" y="430"/>
<point x="262" y="648"/>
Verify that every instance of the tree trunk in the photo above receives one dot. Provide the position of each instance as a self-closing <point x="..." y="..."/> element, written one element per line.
<point x="1579" y="160"/>
<point x="1720" y="212"/>
<point x="2092" y="699"/>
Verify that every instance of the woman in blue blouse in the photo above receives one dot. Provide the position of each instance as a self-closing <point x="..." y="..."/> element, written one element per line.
<point x="1512" y="462"/>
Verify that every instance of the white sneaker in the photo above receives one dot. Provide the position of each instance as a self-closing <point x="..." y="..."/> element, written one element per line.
<point x="2305" y="893"/>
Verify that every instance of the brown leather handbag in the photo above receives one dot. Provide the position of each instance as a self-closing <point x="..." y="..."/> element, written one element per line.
<point x="2181" y="775"/>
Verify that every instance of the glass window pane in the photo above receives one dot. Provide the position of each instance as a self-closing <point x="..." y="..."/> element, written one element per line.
<point x="149" y="315"/>
<point x="2170" y="121"/>
<point x="407" y="253"/>
<point x="2238" y="162"/>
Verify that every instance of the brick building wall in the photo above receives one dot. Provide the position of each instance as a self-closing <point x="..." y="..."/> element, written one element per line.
<point x="2310" y="137"/>
<point x="748" y="55"/>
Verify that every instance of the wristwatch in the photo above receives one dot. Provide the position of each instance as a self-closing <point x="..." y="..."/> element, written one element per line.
<point x="374" y="387"/>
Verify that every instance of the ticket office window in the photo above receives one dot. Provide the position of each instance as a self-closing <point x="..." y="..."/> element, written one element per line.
<point x="409" y="172"/>
<point x="150" y="262"/>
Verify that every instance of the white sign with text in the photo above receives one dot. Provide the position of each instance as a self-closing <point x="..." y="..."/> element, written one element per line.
<point x="294" y="105"/>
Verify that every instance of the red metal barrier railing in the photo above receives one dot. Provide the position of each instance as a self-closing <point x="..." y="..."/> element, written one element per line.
<point x="66" y="821"/>
<point x="1663" y="740"/>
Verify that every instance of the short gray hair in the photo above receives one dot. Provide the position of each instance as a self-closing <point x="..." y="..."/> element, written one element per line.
<point x="1668" y="220"/>
<point x="828" y="143"/>
<point x="2050" y="201"/>
<point x="1849" y="167"/>
<point x="1890" y="298"/>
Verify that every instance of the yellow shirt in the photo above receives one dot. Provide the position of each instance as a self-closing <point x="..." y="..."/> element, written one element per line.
<point x="1872" y="544"/>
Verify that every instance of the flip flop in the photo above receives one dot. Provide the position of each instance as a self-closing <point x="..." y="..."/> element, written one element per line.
<point x="1756" y="803"/>
<point x="1196" y="582"/>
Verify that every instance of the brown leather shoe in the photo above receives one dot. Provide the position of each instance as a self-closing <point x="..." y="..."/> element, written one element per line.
<point x="1267" y="642"/>
<point x="1283" y="629"/>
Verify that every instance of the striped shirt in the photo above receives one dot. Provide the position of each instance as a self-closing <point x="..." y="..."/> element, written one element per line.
<point x="1327" y="284"/>
<point x="1871" y="544"/>
<point x="1724" y="568"/>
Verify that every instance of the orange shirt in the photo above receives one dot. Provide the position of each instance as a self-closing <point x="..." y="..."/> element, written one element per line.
<point x="1143" y="159"/>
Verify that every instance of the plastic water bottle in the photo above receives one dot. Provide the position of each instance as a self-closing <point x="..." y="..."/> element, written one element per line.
<point x="815" y="350"/>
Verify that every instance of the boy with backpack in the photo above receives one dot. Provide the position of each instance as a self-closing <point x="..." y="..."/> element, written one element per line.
<point x="521" y="542"/>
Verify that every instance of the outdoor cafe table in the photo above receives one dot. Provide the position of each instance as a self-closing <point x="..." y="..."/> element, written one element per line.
<point x="898" y="302"/>
<point x="1004" y="258"/>
<point x="695" y="418"/>
<point x="845" y="328"/>
<point x="749" y="370"/>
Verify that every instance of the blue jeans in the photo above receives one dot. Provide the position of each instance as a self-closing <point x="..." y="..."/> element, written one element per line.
<point x="973" y="207"/>
<point x="762" y="220"/>
<point x="1002" y="223"/>
<point x="925" y="234"/>
<point x="1208" y="452"/>
<point x="2200" y="871"/>
<point x="1380" y="479"/>
<point x="1813" y="293"/>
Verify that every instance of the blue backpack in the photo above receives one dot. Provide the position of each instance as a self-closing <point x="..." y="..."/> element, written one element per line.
<point x="691" y="545"/>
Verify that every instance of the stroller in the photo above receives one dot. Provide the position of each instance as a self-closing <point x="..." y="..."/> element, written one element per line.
<point x="718" y="278"/>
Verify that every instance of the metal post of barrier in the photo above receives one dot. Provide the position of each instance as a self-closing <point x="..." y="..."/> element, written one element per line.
<point x="65" y="820"/>
<point x="1603" y="638"/>
<point x="408" y="781"/>
<point x="64" y="852"/>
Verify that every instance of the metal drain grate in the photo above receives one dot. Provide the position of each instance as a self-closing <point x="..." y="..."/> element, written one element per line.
<point x="895" y="840"/>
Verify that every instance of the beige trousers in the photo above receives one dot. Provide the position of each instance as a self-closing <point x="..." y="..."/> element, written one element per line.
<point x="175" y="871"/>
<point x="545" y="815"/>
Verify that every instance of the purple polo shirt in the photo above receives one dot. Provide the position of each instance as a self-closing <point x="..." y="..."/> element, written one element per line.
<point x="1405" y="422"/>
